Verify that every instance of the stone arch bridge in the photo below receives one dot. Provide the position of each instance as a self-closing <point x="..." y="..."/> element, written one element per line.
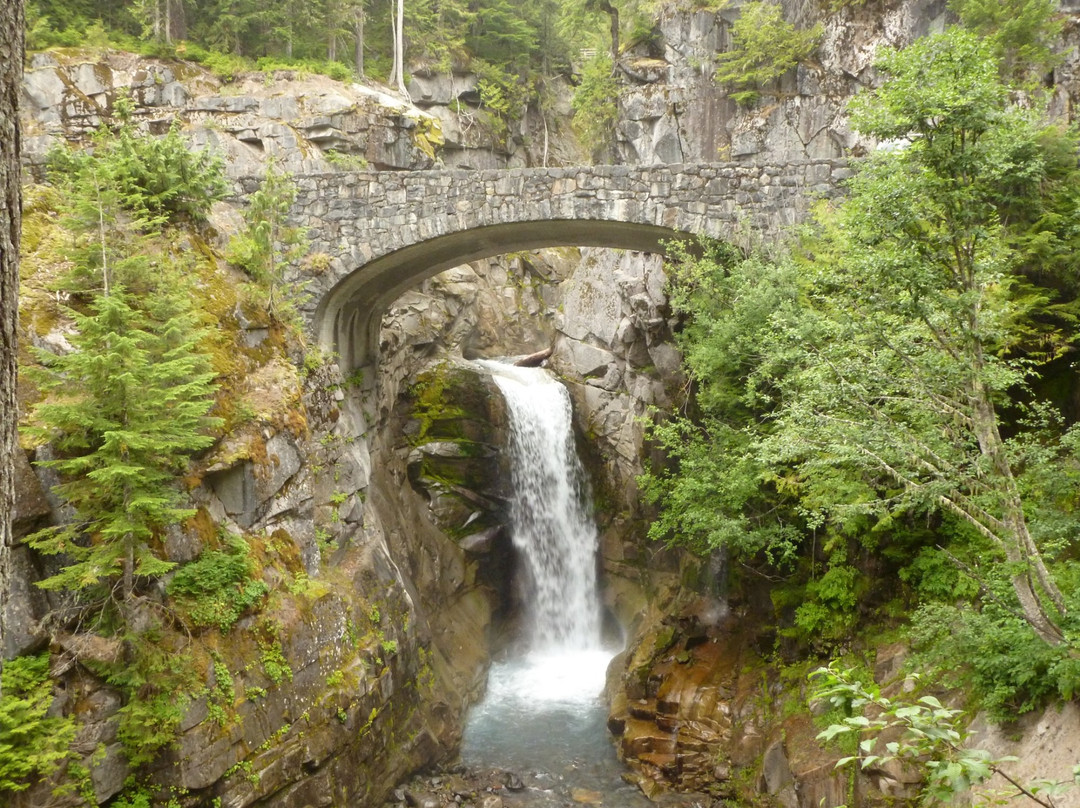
<point x="384" y="231"/>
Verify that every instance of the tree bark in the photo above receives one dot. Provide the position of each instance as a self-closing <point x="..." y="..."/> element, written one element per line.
<point x="358" y="27"/>
<point x="155" y="20"/>
<point x="11" y="65"/>
<point x="534" y="360"/>
<point x="613" y="16"/>
<point x="1019" y="546"/>
<point x="398" y="79"/>
<point x="175" y="21"/>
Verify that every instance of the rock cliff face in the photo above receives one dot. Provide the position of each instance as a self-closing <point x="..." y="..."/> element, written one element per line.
<point x="306" y="123"/>
<point x="338" y="684"/>
<point x="673" y="111"/>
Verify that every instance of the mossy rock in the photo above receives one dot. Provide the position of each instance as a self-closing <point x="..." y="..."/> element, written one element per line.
<point x="460" y="423"/>
<point x="457" y="403"/>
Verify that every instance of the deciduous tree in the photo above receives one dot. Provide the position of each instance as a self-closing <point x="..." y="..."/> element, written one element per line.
<point x="876" y="376"/>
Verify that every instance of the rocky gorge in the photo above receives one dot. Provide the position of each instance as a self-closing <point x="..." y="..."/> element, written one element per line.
<point x="378" y="503"/>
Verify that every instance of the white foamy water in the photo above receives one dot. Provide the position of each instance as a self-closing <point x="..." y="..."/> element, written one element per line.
<point x="543" y="710"/>
<point x="568" y="678"/>
<point x="550" y="514"/>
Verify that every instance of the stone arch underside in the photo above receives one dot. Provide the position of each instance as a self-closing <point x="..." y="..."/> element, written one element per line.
<point x="349" y="317"/>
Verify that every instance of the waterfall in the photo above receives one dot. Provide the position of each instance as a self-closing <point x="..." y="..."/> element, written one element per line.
<point x="550" y="519"/>
<point x="543" y="715"/>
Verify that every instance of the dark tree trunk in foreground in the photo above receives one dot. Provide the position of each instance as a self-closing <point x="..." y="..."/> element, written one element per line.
<point x="11" y="60"/>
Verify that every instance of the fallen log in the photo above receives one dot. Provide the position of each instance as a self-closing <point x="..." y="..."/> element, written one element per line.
<point x="533" y="360"/>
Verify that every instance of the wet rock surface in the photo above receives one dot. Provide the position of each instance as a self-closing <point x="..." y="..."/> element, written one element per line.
<point x="501" y="788"/>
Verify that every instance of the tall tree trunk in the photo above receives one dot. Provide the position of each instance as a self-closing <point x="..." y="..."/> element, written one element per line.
<point x="398" y="78"/>
<point x="1019" y="547"/>
<point x="155" y="20"/>
<point x="393" y="42"/>
<point x="11" y="63"/>
<point x="333" y="27"/>
<point x="358" y="28"/>
<point x="175" y="21"/>
<point x="613" y="16"/>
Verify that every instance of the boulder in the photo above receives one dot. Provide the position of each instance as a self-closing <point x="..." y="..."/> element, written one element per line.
<point x="24" y="605"/>
<point x="31" y="505"/>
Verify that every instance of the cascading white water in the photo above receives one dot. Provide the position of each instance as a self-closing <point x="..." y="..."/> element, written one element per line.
<point x="551" y="526"/>
<point x="543" y="714"/>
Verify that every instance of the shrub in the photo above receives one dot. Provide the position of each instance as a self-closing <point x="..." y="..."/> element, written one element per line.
<point x="218" y="587"/>
<point x="33" y="744"/>
<point x="765" y="47"/>
<point x="157" y="178"/>
<point x="158" y="684"/>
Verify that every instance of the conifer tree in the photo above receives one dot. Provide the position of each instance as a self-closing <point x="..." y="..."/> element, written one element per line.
<point x="269" y="243"/>
<point x="125" y="409"/>
<point x="765" y="47"/>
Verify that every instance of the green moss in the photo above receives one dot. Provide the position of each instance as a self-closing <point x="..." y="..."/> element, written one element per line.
<point x="663" y="640"/>
<point x="428" y="136"/>
<point x="431" y="406"/>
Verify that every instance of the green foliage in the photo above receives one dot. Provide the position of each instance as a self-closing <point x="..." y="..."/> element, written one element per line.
<point x="134" y="797"/>
<point x="219" y="586"/>
<point x="829" y="610"/>
<point x="924" y="735"/>
<point x="33" y="744"/>
<point x="992" y="654"/>
<point x="269" y="244"/>
<point x="595" y="105"/>
<point x="226" y="66"/>
<point x="274" y="664"/>
<point x="713" y="490"/>
<point x="858" y="389"/>
<point x="157" y="681"/>
<point x="222" y="696"/>
<point x="155" y="177"/>
<point x="1022" y="33"/>
<point x="500" y="35"/>
<point x="344" y="160"/>
<point x="43" y="32"/>
<point x="764" y="48"/>
<point x="127" y="406"/>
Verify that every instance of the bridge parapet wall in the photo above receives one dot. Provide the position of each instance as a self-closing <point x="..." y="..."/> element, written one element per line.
<point x="383" y="232"/>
